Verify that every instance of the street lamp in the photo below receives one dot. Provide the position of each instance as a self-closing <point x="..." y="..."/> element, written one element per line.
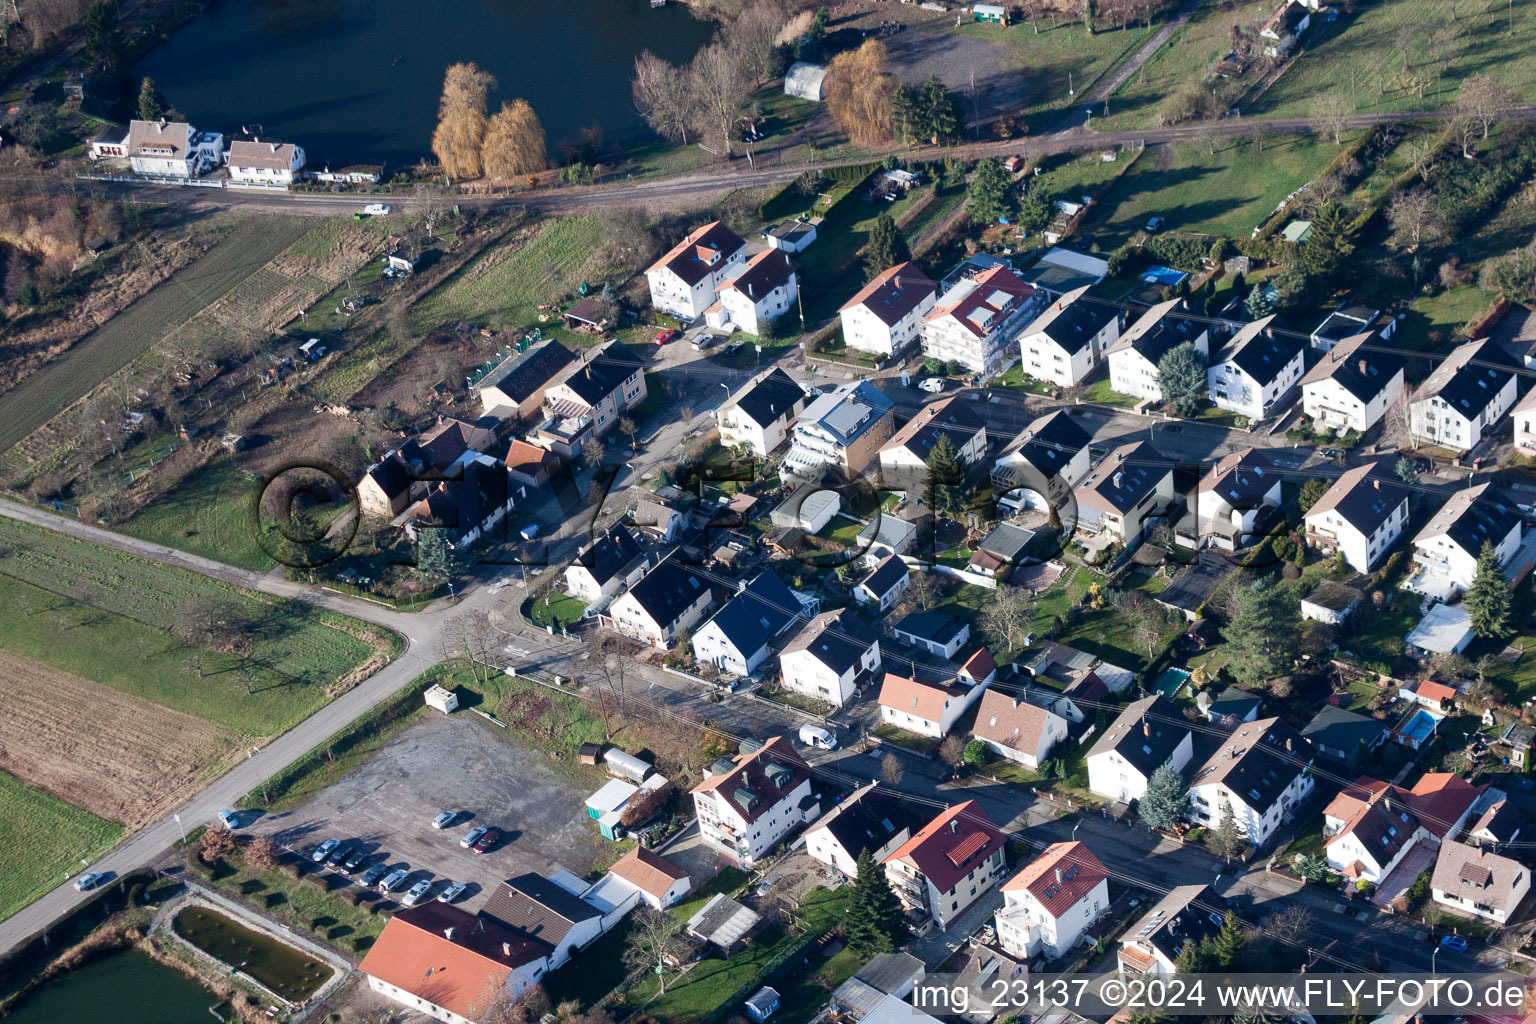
<point x="1433" y="954"/>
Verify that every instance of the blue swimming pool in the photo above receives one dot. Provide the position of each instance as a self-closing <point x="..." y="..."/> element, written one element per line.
<point x="1163" y="275"/>
<point x="1171" y="682"/>
<point x="1419" y="726"/>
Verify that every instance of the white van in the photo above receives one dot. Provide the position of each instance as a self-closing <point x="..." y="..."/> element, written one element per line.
<point x="816" y="736"/>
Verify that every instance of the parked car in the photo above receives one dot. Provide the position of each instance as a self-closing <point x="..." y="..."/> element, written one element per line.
<point x="488" y="840"/>
<point x="665" y="335"/>
<point x="1330" y="452"/>
<point x="376" y="209"/>
<point x="472" y="837"/>
<point x="89" y="880"/>
<point x="355" y="861"/>
<point x="445" y="819"/>
<point x="932" y="385"/>
<point x="529" y="532"/>
<point x="1421" y="464"/>
<point x="451" y="893"/>
<point x="1454" y="943"/>
<point x="768" y="883"/>
<point x="416" y="892"/>
<point x="394" y="880"/>
<point x="373" y="874"/>
<point x="324" y="850"/>
<point x="339" y="855"/>
<point x="1155" y="225"/>
<point x="229" y="819"/>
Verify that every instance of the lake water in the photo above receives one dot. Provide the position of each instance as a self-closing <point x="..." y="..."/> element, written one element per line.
<point x="124" y="988"/>
<point x="357" y="81"/>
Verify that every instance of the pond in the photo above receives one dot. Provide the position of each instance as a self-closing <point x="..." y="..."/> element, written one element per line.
<point x="357" y="81"/>
<point x="124" y="988"/>
<point x="285" y="970"/>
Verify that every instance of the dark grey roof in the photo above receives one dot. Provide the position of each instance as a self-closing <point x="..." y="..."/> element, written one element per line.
<point x="538" y="908"/>
<point x="520" y="378"/>
<point x="1343" y="730"/>
<point x="1261" y="349"/>
<point x="1488" y="519"/>
<point x="934" y="627"/>
<point x="1146" y="733"/>
<point x="870" y="819"/>
<point x="757" y="613"/>
<point x="1074" y="319"/>
<point x="837" y="639"/>
<point x="1501" y="821"/>
<point x="1126" y="476"/>
<point x="1361" y="364"/>
<point x="1257" y="762"/>
<point x="610" y="554"/>
<point x="1347" y="320"/>
<point x="1189" y="913"/>
<point x="1193" y="587"/>
<point x="1366" y="496"/>
<point x="1007" y="541"/>
<point x="604" y="373"/>
<point x="1469" y="378"/>
<point x="887" y="972"/>
<point x="1234" y="703"/>
<point x="890" y="572"/>
<point x="668" y="589"/>
<point x="770" y="399"/>
<point x="1049" y="443"/>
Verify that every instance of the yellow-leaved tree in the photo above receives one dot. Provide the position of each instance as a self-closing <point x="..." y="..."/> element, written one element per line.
<point x="861" y="94"/>
<point x="514" y="143"/>
<point x="461" y="120"/>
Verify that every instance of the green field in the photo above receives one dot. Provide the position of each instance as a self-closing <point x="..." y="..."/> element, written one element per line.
<point x="207" y="514"/>
<point x="510" y="281"/>
<point x="1346" y="57"/>
<point x="1228" y="194"/>
<point x="125" y="337"/>
<point x="42" y="840"/>
<point x="108" y="617"/>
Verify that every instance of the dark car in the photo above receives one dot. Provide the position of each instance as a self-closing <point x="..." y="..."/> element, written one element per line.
<point x="373" y="874"/>
<point x="355" y="861"/>
<point x="491" y="838"/>
<point x="340" y="854"/>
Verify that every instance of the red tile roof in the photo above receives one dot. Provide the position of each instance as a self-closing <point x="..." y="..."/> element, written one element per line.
<point x="1437" y="692"/>
<point x="950" y="845"/>
<point x="993" y="290"/>
<point x="980" y="665"/>
<point x="1080" y="873"/>
<point x="1010" y="722"/>
<point x="915" y="697"/>
<point x="647" y="871"/>
<point x="750" y="773"/>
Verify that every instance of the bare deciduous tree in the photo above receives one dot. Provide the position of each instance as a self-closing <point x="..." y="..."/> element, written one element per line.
<point x="1006" y="616"/>
<point x="514" y="143"/>
<point x="1483" y="97"/>
<point x="1331" y="112"/>
<point x="891" y="769"/>
<point x="752" y="34"/>
<point x="662" y="94"/>
<point x="1413" y="217"/>
<point x="721" y="86"/>
<point x="461" y="120"/>
<point x="651" y="943"/>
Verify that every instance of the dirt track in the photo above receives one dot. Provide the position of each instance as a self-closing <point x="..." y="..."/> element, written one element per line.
<point x="106" y="752"/>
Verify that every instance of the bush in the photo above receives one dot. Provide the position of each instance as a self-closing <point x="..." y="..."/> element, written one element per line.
<point x="977" y="753"/>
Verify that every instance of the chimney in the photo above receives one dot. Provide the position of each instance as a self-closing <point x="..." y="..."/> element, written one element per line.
<point x="1376" y="484"/>
<point x="1058" y="876"/>
<point x="954" y="827"/>
<point x="1146" y="727"/>
<point x="1269" y="332"/>
<point x="1362" y="367"/>
<point x="1289" y="744"/>
<point x="897" y="282"/>
<point x="506" y="949"/>
<point x="448" y="933"/>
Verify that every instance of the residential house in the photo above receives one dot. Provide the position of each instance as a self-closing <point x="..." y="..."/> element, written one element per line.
<point x="761" y="292"/>
<point x="884" y="535"/>
<point x="659" y="882"/>
<point x="1146" y="735"/>
<point x="172" y="149"/>
<point x="1371" y="825"/>
<point x="748" y="803"/>
<point x="1016" y="729"/>
<point x="1189" y="913"/>
<point x="540" y="909"/>
<point x="1039" y="467"/>
<point x="1120" y="494"/>
<point x="1343" y="735"/>
<point x="833" y="656"/>
<point x="467" y="508"/>
<point x="883" y="585"/>
<point x="683" y="282"/>
<point x="926" y="708"/>
<point x="659" y="518"/>
<point x="1474" y="881"/>
<point x="1134" y="357"/>
<point x="1498" y="825"/>
<point x="1427" y="693"/>
<point x="938" y="634"/>
<point x="1348" y="321"/>
<point x="904" y="458"/>
<point x="948" y="864"/>
<point x="1465" y="396"/>
<point x="736" y="639"/>
<point x="1231" y="707"/>
<point x="612" y="562"/>
<point x="1446" y="549"/>
<point x="670" y="599"/>
<point x="1069" y="339"/>
<point x="885" y="315"/>
<point x="760" y="414"/>
<point x="529" y="465"/>
<point x="1525" y="422"/>
<point x="1256" y="368"/>
<point x="405" y="474"/>
<point x="110" y="142"/>
<point x="1363" y="514"/>
<point x="1258" y="775"/>
<point x="871" y="819"/>
<point x="590" y="400"/>
<point x="1281" y="32"/>
<point x="1353" y="384"/>
<point x="1237" y="499"/>
<point x="1049" y="906"/>
<point x="840" y="433"/>
<point x="265" y="163"/>
<point x="975" y="320"/>
<point x="452" y="965"/>
<point x="514" y="389"/>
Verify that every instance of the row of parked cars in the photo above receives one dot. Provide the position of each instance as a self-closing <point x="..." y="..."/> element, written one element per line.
<point x="352" y="857"/>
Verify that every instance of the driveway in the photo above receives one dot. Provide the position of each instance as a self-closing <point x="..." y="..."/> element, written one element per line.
<point x="454" y="763"/>
<point x="1420" y="858"/>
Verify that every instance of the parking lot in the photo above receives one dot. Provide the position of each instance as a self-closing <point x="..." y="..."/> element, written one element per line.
<point x="459" y="764"/>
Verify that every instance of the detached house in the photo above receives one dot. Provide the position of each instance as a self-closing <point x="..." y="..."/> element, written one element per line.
<point x="1353" y="384"/>
<point x="1121" y="493"/>
<point x="172" y="149"/>
<point x="1473" y="881"/>
<point x="1281" y="31"/>
<point x="1038" y="468"/>
<point x="1371" y="825"/>
<point x="1133" y="359"/>
<point x="926" y="708"/>
<point x="832" y="656"/>
<point x="1445" y="551"/>
<point x="1148" y="734"/>
<point x="757" y="295"/>
<point x="1256" y="368"/>
<point x="1050" y="905"/>
<point x="1189" y="913"/>
<point x="1525" y="423"/>
<point x="950" y="862"/>
<point x="265" y="163"/>
<point x="1017" y="729"/>
<point x="683" y="282"/>
<point x="884" y="316"/>
<point x="659" y="882"/>
<point x="883" y="586"/>
<point x="760" y="414"/>
<point x="589" y="401"/>
<point x="870" y="819"/>
<point x="1363" y="514"/>
<point x="1069" y="339"/>
<point x="1237" y="498"/>
<point x="1258" y="775"/>
<point x="748" y="803"/>
<point x="904" y="459"/>
<point x="406" y="474"/>
<point x="612" y="561"/>
<point x="974" y="322"/>
<point x="1464" y="397"/>
<point x="840" y="433"/>
<point x="736" y="639"/>
<point x="467" y="508"/>
<point x="514" y="389"/>
<point x="671" y="598"/>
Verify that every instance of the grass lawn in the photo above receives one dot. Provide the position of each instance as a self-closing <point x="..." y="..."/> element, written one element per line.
<point x="1017" y="379"/>
<point x="1053" y="604"/>
<point x="208" y="514"/>
<point x="556" y="610"/>
<point x="1229" y="193"/>
<point x="903" y="738"/>
<point x="108" y="617"/>
<point x="1518" y="680"/>
<point x="303" y="906"/>
<point x="1441" y="314"/>
<point x="1340" y="58"/>
<point x="511" y="279"/>
<point x="1075" y="177"/>
<point x="598" y="971"/>
<point x="800" y="999"/>
<point x="1101" y="393"/>
<point x="1108" y="634"/>
<point x="727" y="881"/>
<point x="831" y="269"/>
<point x="42" y="840"/>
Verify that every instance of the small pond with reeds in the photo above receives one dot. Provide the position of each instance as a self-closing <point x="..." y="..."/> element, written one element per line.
<point x="291" y="973"/>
